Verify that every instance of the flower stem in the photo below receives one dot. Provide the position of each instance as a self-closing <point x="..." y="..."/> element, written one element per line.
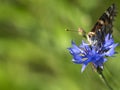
<point x="104" y="80"/>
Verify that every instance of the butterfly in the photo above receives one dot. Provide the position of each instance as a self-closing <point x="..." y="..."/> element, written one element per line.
<point x="100" y="42"/>
<point x="102" y="27"/>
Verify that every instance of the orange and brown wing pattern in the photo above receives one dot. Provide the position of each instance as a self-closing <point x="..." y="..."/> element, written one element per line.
<point x="106" y="20"/>
<point x="105" y="23"/>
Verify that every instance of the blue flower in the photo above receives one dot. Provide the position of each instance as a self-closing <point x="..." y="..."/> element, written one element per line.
<point x="109" y="45"/>
<point x="85" y="53"/>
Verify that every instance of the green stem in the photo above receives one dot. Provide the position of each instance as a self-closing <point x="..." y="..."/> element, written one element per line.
<point x="105" y="81"/>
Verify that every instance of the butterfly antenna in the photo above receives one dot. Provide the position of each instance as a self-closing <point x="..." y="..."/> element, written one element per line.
<point x="70" y="30"/>
<point x="80" y="31"/>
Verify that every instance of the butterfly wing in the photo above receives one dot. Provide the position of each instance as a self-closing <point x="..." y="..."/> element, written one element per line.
<point x="105" y="23"/>
<point x="101" y="29"/>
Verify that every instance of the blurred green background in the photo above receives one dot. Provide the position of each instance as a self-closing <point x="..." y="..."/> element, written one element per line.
<point x="33" y="45"/>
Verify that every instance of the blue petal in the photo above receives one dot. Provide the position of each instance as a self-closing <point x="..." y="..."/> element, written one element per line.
<point x="77" y="59"/>
<point x="83" y="67"/>
<point x="111" y="51"/>
<point x="108" y="40"/>
<point x="108" y="43"/>
<point x="99" y="63"/>
<point x="83" y="44"/>
<point x="74" y="49"/>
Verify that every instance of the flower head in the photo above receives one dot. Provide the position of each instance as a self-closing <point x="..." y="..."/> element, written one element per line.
<point x="85" y="53"/>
